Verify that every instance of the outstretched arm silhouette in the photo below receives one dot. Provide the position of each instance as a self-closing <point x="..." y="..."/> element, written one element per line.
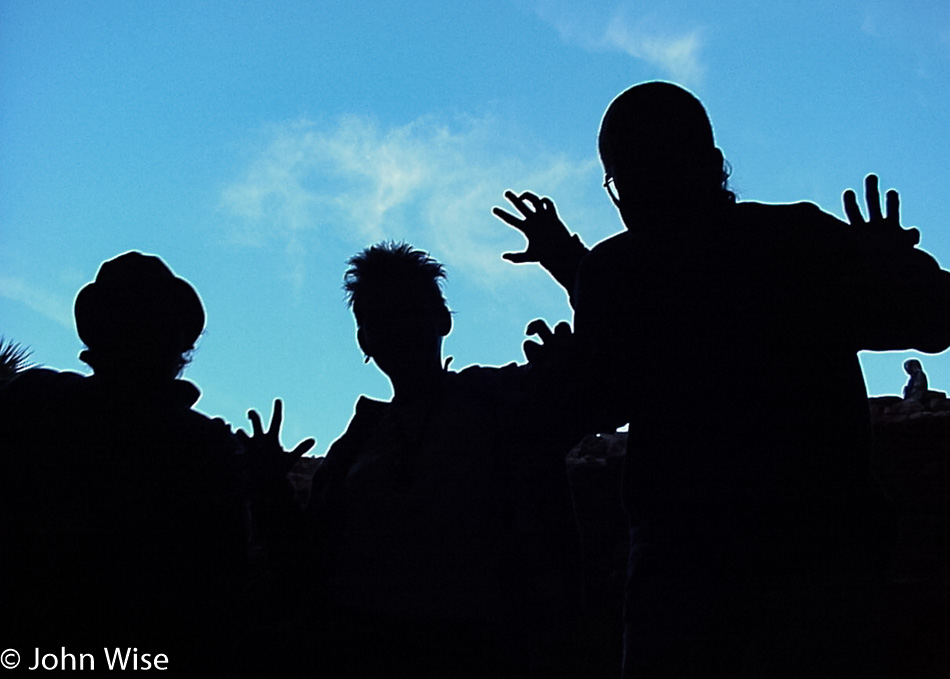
<point x="549" y="242"/>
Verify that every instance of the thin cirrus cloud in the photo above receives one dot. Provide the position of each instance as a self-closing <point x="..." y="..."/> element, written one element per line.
<point x="677" y="55"/>
<point x="430" y="182"/>
<point x="643" y="36"/>
<point x="56" y="308"/>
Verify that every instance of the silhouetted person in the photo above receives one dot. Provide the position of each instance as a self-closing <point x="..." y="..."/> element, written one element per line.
<point x="123" y="519"/>
<point x="450" y="539"/>
<point x="916" y="388"/>
<point x="726" y="334"/>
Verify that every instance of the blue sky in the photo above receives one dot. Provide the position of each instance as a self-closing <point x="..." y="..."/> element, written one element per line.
<point x="255" y="146"/>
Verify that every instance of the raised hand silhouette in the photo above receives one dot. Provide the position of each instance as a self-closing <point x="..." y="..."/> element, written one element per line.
<point x="550" y="244"/>
<point x="539" y="222"/>
<point x="553" y="345"/>
<point x="887" y="223"/>
<point x="267" y="460"/>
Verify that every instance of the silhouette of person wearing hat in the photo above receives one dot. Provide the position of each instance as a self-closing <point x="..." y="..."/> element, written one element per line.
<point x="123" y="516"/>
<point x="756" y="542"/>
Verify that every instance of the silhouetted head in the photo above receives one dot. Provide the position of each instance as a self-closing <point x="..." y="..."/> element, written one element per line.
<point x="401" y="315"/>
<point x="912" y="366"/>
<point x="138" y="320"/>
<point x="656" y="145"/>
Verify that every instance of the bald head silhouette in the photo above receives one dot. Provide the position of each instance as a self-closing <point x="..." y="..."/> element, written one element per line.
<point x="656" y="144"/>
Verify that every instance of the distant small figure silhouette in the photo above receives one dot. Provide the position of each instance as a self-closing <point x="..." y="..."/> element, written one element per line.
<point x="123" y="518"/>
<point x="916" y="387"/>
<point x="450" y="541"/>
<point x="756" y="535"/>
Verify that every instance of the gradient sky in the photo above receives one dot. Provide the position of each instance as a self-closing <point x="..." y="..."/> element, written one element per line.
<point x="257" y="145"/>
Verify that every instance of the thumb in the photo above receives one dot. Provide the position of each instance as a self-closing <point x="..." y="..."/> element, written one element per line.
<point x="518" y="257"/>
<point x="533" y="352"/>
<point x="303" y="448"/>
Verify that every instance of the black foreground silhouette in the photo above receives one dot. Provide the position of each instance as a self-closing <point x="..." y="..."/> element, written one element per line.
<point x="758" y="541"/>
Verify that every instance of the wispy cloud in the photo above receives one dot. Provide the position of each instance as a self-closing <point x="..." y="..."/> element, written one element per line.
<point x="678" y="55"/>
<point x="645" y="36"/>
<point x="54" y="307"/>
<point x="431" y="181"/>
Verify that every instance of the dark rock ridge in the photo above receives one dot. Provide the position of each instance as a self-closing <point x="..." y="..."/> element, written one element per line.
<point x="912" y="463"/>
